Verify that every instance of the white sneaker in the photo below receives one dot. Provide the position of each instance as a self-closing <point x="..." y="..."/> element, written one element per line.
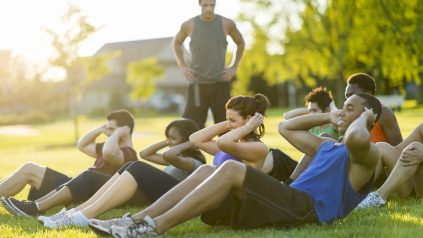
<point x="54" y="217"/>
<point x="145" y="229"/>
<point x="103" y="227"/>
<point x="373" y="199"/>
<point x="75" y="219"/>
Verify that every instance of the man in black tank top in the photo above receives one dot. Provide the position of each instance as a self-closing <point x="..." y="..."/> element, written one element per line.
<point x="208" y="78"/>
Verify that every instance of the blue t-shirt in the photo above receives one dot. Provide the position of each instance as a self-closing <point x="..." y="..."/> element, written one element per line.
<point x="221" y="157"/>
<point x="326" y="182"/>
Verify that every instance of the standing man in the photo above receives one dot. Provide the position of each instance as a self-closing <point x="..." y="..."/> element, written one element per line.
<point x="208" y="78"/>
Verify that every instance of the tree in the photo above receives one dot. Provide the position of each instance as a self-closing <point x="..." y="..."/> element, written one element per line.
<point x="66" y="44"/>
<point x="336" y="38"/>
<point x="142" y="75"/>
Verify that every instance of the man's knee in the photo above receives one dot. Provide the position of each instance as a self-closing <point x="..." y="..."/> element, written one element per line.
<point x="32" y="169"/>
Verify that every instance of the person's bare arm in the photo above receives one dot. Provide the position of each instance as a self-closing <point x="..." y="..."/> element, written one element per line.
<point x="177" y="44"/>
<point x="412" y="154"/>
<point x="174" y="156"/>
<point x="301" y="166"/>
<point x="236" y="36"/>
<point x="150" y="152"/>
<point x="203" y="139"/>
<point x="86" y="143"/>
<point x="111" y="148"/>
<point x="249" y="151"/>
<point x="296" y="131"/>
<point x="389" y="123"/>
<point x="364" y="155"/>
<point x="295" y="113"/>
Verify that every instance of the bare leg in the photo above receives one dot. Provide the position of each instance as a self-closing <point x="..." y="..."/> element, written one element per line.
<point x="122" y="189"/>
<point x="99" y="193"/>
<point x="209" y="194"/>
<point x="176" y="194"/>
<point x="63" y="196"/>
<point x="399" y="176"/>
<point x="45" y="197"/>
<point x="29" y="173"/>
<point x="417" y="181"/>
<point x="378" y="170"/>
<point x="390" y="162"/>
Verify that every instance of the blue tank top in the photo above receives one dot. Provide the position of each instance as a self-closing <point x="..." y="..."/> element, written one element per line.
<point x="221" y="157"/>
<point x="326" y="182"/>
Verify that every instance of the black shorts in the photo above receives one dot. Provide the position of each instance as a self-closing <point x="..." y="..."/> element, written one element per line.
<point x="283" y="165"/>
<point x="152" y="182"/>
<point x="51" y="180"/>
<point x="86" y="184"/>
<point x="265" y="202"/>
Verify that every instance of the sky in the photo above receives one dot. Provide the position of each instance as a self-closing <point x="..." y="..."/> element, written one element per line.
<point x="22" y="22"/>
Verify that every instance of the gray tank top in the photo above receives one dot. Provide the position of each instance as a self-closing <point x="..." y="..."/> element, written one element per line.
<point x="208" y="50"/>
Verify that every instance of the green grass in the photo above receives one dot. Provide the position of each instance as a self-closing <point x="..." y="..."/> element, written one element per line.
<point x="51" y="145"/>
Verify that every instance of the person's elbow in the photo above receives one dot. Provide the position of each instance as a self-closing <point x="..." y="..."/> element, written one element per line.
<point x="224" y="144"/>
<point x="282" y="128"/>
<point x="170" y="157"/>
<point x="194" y="140"/>
<point x="113" y="157"/>
<point x="357" y="139"/>
<point x="80" y="145"/>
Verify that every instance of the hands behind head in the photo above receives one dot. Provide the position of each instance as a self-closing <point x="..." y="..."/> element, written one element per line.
<point x="412" y="154"/>
<point x="123" y="131"/>
<point x="334" y="116"/>
<point x="254" y="122"/>
<point x="370" y="115"/>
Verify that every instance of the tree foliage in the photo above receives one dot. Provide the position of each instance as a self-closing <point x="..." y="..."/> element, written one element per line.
<point x="142" y="75"/>
<point x="332" y="39"/>
<point x="66" y="43"/>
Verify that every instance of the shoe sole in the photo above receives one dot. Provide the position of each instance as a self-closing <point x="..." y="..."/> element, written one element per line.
<point x="10" y="207"/>
<point x="100" y="230"/>
<point x="5" y="203"/>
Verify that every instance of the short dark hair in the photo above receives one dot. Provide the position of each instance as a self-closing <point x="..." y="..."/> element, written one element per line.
<point x="364" y="81"/>
<point x="184" y="126"/>
<point x="373" y="103"/>
<point x="122" y="118"/>
<point x="321" y="96"/>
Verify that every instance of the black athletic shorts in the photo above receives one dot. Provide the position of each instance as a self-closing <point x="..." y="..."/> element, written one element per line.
<point x="265" y="202"/>
<point x="152" y="182"/>
<point x="51" y="180"/>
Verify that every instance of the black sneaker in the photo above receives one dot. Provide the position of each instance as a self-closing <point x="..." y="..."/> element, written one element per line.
<point x="20" y="208"/>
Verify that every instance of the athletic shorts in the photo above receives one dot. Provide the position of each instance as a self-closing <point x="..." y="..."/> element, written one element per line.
<point x="152" y="182"/>
<point x="51" y="180"/>
<point x="265" y="202"/>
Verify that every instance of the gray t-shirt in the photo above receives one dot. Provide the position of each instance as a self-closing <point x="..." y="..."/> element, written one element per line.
<point x="179" y="173"/>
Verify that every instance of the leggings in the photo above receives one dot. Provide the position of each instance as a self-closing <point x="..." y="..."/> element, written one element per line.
<point x="152" y="182"/>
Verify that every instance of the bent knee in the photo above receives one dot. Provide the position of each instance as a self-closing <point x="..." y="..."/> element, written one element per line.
<point x="32" y="168"/>
<point x="232" y="168"/>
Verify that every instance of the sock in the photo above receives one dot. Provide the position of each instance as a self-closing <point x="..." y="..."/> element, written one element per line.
<point x="38" y="206"/>
<point x="150" y="221"/>
<point x="78" y="218"/>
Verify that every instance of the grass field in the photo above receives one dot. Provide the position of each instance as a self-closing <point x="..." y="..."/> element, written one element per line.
<point x="51" y="145"/>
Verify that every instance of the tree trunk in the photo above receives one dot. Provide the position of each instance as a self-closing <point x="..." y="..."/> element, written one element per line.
<point x="340" y="90"/>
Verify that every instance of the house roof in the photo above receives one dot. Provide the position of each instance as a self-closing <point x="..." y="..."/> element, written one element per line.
<point x="160" y="48"/>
